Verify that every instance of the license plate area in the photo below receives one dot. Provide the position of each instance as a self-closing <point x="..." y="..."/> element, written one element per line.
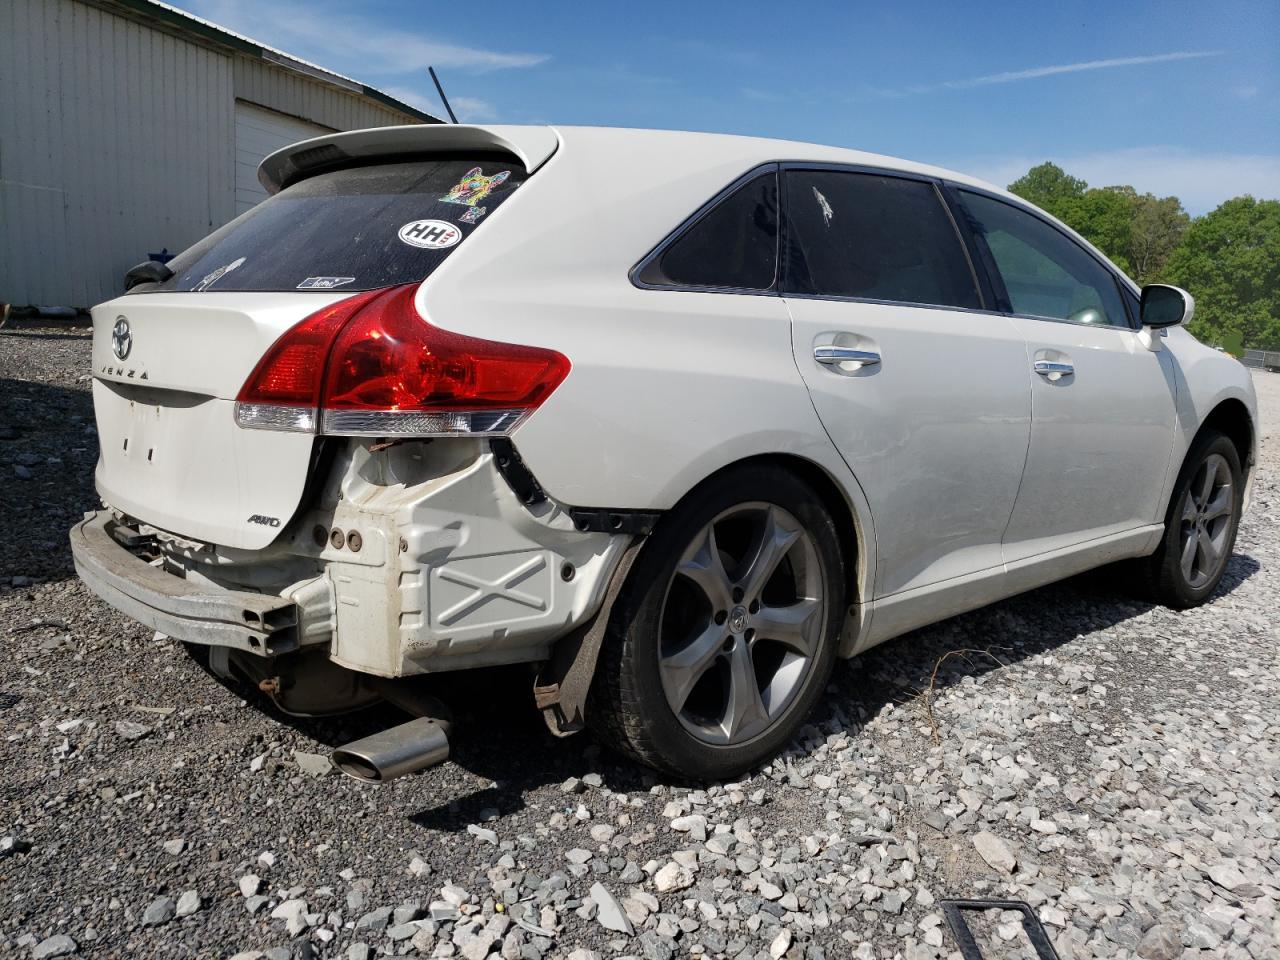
<point x="178" y="461"/>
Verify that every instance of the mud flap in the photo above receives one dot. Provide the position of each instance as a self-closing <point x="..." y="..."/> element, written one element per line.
<point x="561" y="688"/>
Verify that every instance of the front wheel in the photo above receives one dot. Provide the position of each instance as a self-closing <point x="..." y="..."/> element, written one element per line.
<point x="725" y="634"/>
<point x="1200" y="530"/>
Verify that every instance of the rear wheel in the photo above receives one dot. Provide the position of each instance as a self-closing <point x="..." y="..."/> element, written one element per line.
<point x="1200" y="530"/>
<point x="724" y="635"/>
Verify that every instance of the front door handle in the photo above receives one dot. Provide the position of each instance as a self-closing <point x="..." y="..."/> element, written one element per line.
<point x="832" y="355"/>
<point x="1053" y="369"/>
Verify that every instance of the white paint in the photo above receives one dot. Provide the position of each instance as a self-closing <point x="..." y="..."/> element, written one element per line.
<point x="943" y="419"/>
<point x="666" y="388"/>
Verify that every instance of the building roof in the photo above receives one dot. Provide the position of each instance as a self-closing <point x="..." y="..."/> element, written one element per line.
<point x="187" y="24"/>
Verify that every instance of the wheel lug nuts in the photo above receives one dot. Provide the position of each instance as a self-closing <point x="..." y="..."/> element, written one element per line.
<point x="755" y="606"/>
<point x="727" y="645"/>
<point x="737" y="594"/>
<point x="720" y="617"/>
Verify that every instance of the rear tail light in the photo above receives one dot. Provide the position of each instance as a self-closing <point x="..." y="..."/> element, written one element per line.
<point x="370" y="365"/>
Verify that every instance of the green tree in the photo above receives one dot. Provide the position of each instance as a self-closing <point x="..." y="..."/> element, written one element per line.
<point x="1156" y="230"/>
<point x="1229" y="260"/>
<point x="1104" y="217"/>
<point x="1049" y="187"/>
<point x="1137" y="231"/>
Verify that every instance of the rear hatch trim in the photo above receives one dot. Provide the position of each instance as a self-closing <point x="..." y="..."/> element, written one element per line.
<point x="533" y="146"/>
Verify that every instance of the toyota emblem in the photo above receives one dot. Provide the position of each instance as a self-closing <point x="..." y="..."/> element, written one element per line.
<point x="121" y="338"/>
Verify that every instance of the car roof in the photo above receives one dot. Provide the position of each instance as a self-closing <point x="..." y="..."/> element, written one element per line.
<point x="712" y="159"/>
<point x="534" y="145"/>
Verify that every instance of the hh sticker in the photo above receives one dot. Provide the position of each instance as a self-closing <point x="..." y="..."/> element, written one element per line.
<point x="324" y="283"/>
<point x="474" y="187"/>
<point x="212" y="278"/>
<point x="430" y="234"/>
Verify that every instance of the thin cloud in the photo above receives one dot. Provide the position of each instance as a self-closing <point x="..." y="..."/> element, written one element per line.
<point x="350" y="43"/>
<point x="1032" y="73"/>
<point x="473" y="109"/>
<point x="468" y="109"/>
<point x="764" y="96"/>
<point x="1201" y="180"/>
<point x="1037" y="72"/>
<point x="415" y="98"/>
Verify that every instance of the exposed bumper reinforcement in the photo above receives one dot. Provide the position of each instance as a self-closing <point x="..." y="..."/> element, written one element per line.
<point x="196" y="613"/>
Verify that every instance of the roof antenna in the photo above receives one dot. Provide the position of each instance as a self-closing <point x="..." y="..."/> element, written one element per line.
<point x="440" y="90"/>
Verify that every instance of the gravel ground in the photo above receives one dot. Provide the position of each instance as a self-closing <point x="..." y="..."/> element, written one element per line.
<point x="1115" y="765"/>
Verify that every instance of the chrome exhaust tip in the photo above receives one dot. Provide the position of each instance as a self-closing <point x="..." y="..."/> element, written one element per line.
<point x="422" y="742"/>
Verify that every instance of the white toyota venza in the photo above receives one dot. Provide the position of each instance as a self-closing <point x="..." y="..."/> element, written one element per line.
<point x="676" y="418"/>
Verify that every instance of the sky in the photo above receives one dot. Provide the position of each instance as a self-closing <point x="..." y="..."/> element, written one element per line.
<point x="1173" y="98"/>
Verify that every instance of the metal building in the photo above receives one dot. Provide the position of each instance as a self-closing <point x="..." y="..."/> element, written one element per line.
<point x="128" y="127"/>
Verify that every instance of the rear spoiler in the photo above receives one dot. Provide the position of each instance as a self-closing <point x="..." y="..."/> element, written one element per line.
<point x="532" y="145"/>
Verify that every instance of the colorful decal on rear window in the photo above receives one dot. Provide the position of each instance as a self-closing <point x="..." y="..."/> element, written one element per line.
<point x="472" y="215"/>
<point x="324" y="283"/>
<point x="212" y="278"/>
<point x="430" y="234"/>
<point x="474" y="187"/>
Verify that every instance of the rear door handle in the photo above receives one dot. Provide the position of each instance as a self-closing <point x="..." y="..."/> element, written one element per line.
<point x="832" y="355"/>
<point x="1053" y="369"/>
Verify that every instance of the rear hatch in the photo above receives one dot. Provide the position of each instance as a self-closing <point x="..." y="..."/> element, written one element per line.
<point x="170" y="358"/>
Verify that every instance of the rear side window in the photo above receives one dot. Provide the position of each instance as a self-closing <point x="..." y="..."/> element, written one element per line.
<point x="733" y="245"/>
<point x="875" y="238"/>
<point x="348" y="230"/>
<point x="1045" y="273"/>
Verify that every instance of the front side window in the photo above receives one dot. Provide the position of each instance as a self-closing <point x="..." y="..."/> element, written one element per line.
<point x="734" y="245"/>
<point x="873" y="237"/>
<point x="1045" y="273"/>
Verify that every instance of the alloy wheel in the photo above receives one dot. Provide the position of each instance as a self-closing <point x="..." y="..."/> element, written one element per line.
<point x="1207" y="511"/>
<point x="741" y="622"/>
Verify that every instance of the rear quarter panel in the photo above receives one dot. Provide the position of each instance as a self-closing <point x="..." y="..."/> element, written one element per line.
<point x="666" y="387"/>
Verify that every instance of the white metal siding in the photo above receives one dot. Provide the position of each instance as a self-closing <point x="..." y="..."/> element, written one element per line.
<point x="260" y="131"/>
<point x="118" y="140"/>
<point x="115" y="141"/>
<point x="299" y="96"/>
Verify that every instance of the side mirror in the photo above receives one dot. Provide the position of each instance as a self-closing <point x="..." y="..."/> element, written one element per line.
<point x="1166" y="306"/>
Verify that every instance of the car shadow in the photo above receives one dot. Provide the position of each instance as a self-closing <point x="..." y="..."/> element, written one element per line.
<point x="501" y="737"/>
<point x="48" y="449"/>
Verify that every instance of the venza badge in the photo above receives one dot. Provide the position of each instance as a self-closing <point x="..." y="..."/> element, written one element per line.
<point x="121" y="338"/>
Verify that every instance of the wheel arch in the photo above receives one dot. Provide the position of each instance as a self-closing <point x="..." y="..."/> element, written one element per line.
<point x="855" y="540"/>
<point x="1231" y="417"/>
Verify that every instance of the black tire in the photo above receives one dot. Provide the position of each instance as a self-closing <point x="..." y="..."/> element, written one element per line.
<point x="1166" y="581"/>
<point x="629" y="707"/>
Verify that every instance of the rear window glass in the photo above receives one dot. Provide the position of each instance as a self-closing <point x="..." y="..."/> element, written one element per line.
<point x="871" y="237"/>
<point x="355" y="229"/>
<point x="734" y="245"/>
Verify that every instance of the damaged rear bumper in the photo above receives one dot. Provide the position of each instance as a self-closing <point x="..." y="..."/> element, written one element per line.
<point x="107" y="558"/>
<point x="409" y="558"/>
